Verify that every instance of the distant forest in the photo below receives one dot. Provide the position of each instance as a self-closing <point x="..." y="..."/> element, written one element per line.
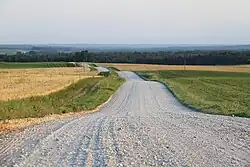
<point x="165" y="57"/>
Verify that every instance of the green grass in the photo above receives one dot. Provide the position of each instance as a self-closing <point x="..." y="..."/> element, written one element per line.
<point x="86" y="94"/>
<point x="35" y="65"/>
<point x="92" y="68"/>
<point x="221" y="93"/>
<point x="92" y="65"/>
<point x="113" y="68"/>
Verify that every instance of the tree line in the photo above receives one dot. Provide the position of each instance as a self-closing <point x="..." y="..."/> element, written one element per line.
<point x="167" y="58"/>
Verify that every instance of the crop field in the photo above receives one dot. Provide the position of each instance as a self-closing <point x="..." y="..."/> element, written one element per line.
<point x="36" y="65"/>
<point x="149" y="67"/>
<point x="21" y="83"/>
<point x="86" y="94"/>
<point x="224" y="93"/>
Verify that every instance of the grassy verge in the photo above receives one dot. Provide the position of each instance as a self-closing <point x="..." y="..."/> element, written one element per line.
<point x="153" y="67"/>
<point x="92" y="65"/>
<point x="113" y="68"/>
<point x="36" y="65"/>
<point x="211" y="92"/>
<point x="86" y="94"/>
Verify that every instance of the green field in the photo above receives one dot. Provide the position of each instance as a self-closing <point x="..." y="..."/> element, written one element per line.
<point x="35" y="65"/>
<point x="222" y="93"/>
<point x="86" y="94"/>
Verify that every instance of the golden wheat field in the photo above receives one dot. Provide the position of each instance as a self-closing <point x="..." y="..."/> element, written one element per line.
<point x="149" y="67"/>
<point x="21" y="83"/>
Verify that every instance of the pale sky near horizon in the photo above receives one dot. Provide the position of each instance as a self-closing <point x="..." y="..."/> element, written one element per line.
<point x="125" y="21"/>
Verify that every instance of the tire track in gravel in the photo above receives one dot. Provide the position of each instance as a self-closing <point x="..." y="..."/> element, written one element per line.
<point x="142" y="125"/>
<point x="80" y="155"/>
<point x="19" y="146"/>
<point x="97" y="146"/>
<point x="59" y="144"/>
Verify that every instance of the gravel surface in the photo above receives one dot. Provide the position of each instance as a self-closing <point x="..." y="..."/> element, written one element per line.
<point x="142" y="125"/>
<point x="102" y="69"/>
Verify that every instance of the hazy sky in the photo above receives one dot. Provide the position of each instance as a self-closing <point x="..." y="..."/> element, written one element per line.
<point x="125" y="21"/>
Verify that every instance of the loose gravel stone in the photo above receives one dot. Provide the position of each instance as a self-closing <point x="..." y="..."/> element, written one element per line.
<point x="142" y="125"/>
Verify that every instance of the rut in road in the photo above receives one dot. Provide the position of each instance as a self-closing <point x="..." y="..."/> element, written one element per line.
<point x="142" y="125"/>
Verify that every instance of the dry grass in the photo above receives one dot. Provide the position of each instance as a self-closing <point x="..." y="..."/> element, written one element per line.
<point x="149" y="67"/>
<point x="21" y="83"/>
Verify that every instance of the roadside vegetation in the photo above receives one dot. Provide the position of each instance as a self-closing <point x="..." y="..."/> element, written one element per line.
<point x="92" y="65"/>
<point x="222" y="93"/>
<point x="153" y="67"/>
<point x="86" y="94"/>
<point x="113" y="68"/>
<point x="36" y="65"/>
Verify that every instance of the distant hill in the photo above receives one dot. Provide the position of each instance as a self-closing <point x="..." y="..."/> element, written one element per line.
<point x="117" y="47"/>
<point x="149" y="47"/>
<point x="21" y="47"/>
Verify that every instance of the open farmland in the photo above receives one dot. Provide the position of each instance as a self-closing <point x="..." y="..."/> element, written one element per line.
<point x="211" y="92"/>
<point x="21" y="83"/>
<point x="36" y="65"/>
<point x="141" y="125"/>
<point x="150" y="67"/>
<point x="86" y="94"/>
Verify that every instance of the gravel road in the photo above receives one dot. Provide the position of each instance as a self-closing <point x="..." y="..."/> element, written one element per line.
<point x="102" y="69"/>
<point x="142" y="125"/>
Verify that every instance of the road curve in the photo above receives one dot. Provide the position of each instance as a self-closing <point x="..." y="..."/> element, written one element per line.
<point x="142" y="125"/>
<point x="102" y="69"/>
